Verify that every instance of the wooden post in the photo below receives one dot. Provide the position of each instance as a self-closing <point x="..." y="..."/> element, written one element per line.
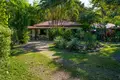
<point x="38" y="34"/>
<point x="47" y="34"/>
<point x="33" y="34"/>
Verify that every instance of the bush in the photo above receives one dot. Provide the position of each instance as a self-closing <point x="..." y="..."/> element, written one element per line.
<point x="117" y="36"/>
<point x="14" y="38"/>
<point x="80" y="34"/>
<point x="22" y="36"/>
<point x="73" y="44"/>
<point x="25" y="37"/>
<point x="15" y="52"/>
<point x="67" y="34"/>
<point x="60" y="42"/>
<point x="53" y="33"/>
<point x="5" y="41"/>
<point x="91" y="40"/>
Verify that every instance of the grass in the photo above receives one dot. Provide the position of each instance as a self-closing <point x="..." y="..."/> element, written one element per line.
<point x="30" y="66"/>
<point x="100" y="65"/>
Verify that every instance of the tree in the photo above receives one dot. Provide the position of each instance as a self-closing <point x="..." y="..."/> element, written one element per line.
<point x="61" y="9"/>
<point x="36" y="14"/>
<point x="19" y="18"/>
<point x="88" y="16"/>
<point x="107" y="9"/>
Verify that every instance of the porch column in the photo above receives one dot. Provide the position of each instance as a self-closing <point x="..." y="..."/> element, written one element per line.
<point x="33" y="34"/>
<point x="47" y="34"/>
<point x="38" y="33"/>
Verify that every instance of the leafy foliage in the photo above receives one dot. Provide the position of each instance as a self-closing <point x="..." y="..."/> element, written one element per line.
<point x="3" y="13"/>
<point x="60" y="42"/>
<point x="73" y="44"/>
<point x="81" y="40"/>
<point x="91" y="40"/>
<point x="62" y="9"/>
<point x="80" y="34"/>
<point x="5" y="41"/>
<point x="67" y="34"/>
<point x="107" y="9"/>
<point x="55" y="32"/>
<point x="5" y="34"/>
<point x="19" y="18"/>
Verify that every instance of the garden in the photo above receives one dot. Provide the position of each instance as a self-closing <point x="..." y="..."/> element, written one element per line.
<point x="89" y="52"/>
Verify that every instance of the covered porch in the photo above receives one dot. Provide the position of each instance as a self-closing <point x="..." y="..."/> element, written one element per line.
<point x="41" y="31"/>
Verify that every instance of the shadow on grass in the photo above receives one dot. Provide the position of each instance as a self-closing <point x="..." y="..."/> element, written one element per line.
<point x="100" y="65"/>
<point x="23" y="49"/>
<point x="29" y="47"/>
<point x="17" y="52"/>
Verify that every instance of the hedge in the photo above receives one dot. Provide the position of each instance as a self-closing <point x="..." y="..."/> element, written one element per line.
<point x="5" y="41"/>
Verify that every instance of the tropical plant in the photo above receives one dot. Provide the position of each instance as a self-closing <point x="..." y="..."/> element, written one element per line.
<point x="61" y="9"/>
<point x="60" y="42"/>
<point x="14" y="37"/>
<point x="54" y="32"/>
<point x="68" y="34"/>
<point x="73" y="44"/>
<point x="91" y="40"/>
<point x="80" y="34"/>
<point x="19" y="18"/>
<point x="117" y="36"/>
<point x="107" y="9"/>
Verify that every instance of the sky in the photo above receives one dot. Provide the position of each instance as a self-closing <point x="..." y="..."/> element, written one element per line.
<point x="86" y="2"/>
<point x="30" y="1"/>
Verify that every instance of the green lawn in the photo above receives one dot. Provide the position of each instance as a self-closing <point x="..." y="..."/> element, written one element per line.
<point x="30" y="66"/>
<point x="92" y="66"/>
<point x="100" y="65"/>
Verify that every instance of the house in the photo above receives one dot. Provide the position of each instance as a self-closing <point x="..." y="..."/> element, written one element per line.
<point x="40" y="31"/>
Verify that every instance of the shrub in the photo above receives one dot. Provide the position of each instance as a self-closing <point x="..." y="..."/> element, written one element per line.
<point x="5" y="41"/>
<point x="17" y="51"/>
<point x="55" y="32"/>
<point x="25" y="37"/>
<point x="91" y="40"/>
<point x="14" y="38"/>
<point x="22" y="36"/>
<point x="67" y="34"/>
<point x="52" y="33"/>
<point x="60" y="42"/>
<point x="117" y="36"/>
<point x="73" y="44"/>
<point x="80" y="34"/>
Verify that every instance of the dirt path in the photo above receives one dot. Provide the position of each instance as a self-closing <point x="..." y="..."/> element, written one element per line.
<point x="43" y="48"/>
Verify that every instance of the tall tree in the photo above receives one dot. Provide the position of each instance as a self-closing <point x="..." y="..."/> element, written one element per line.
<point x="61" y="9"/>
<point x="36" y="14"/>
<point x="108" y="9"/>
<point x="19" y="18"/>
